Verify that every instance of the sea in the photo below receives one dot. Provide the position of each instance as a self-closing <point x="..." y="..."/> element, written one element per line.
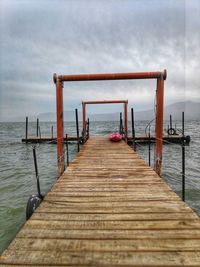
<point x="17" y="174"/>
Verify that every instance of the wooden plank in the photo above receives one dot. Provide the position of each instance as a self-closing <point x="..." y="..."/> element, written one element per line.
<point x="105" y="245"/>
<point x="109" y="234"/>
<point x="125" y="225"/>
<point x="106" y="258"/>
<point x="114" y="216"/>
<point x="69" y="209"/>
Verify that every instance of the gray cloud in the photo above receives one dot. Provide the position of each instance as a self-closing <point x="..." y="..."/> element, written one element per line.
<point x="43" y="37"/>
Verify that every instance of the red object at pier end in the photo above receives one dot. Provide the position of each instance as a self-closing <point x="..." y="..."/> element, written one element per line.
<point x="115" y="137"/>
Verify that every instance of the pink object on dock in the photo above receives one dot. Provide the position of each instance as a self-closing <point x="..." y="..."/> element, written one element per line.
<point x="115" y="137"/>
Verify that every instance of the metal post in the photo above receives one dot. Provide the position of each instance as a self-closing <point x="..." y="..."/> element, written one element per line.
<point x="52" y="131"/>
<point x="159" y="124"/>
<point x="36" y="173"/>
<point x="77" y="130"/>
<point x="183" y="157"/>
<point x="67" y="150"/>
<point x="60" y="127"/>
<point x="125" y="122"/>
<point x="84" y="120"/>
<point x="133" y="128"/>
<point x="26" y="129"/>
<point x="37" y="128"/>
<point x="88" y="128"/>
<point x="149" y="145"/>
<point x="170" y="123"/>
<point x="120" y="123"/>
<point x="39" y="132"/>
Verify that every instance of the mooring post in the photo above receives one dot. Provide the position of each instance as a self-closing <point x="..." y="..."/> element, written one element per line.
<point x="149" y="146"/>
<point x="159" y="122"/>
<point x="88" y="128"/>
<point x="77" y="130"/>
<point x="67" y="150"/>
<point x="26" y="129"/>
<point x="133" y="128"/>
<point x="84" y="119"/>
<point x="170" y="122"/>
<point x="39" y="131"/>
<point x="52" y="131"/>
<point x="126" y="121"/>
<point x="36" y="173"/>
<point x="183" y="157"/>
<point x="120" y="123"/>
<point x="37" y="128"/>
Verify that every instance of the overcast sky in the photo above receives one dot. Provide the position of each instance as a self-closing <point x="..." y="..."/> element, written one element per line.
<point x="39" y="38"/>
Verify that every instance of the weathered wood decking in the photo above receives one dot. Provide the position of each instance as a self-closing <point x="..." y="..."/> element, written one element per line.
<point x="108" y="209"/>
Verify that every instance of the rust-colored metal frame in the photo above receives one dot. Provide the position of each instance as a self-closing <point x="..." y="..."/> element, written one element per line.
<point x="125" y="102"/>
<point x="159" y="76"/>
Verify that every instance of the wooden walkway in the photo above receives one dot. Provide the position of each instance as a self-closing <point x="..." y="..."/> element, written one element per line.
<point x="108" y="209"/>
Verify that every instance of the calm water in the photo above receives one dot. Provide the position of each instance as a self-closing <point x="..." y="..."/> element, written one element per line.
<point x="17" y="177"/>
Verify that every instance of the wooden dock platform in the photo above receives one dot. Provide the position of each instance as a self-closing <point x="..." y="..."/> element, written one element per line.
<point x="177" y="139"/>
<point x="108" y="209"/>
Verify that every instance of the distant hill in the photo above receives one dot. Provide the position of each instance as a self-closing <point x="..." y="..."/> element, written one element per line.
<point x="191" y="109"/>
<point x="192" y="112"/>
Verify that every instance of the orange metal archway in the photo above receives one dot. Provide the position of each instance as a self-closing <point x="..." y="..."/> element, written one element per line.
<point x="159" y="76"/>
<point x="125" y="102"/>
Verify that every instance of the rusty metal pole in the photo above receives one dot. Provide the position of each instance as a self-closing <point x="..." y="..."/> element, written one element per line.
<point x="125" y="121"/>
<point x="112" y="76"/>
<point x="159" y="123"/>
<point x="84" y="119"/>
<point x="183" y="157"/>
<point x="60" y="128"/>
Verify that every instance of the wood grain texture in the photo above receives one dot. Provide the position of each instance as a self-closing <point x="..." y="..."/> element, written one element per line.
<point x="108" y="209"/>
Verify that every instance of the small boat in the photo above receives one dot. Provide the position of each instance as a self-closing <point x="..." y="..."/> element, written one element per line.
<point x="115" y="137"/>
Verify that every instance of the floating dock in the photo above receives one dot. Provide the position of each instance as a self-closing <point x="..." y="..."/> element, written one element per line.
<point x="177" y="139"/>
<point x="108" y="209"/>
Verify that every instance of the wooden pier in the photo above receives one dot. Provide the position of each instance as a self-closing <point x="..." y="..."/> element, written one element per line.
<point x="108" y="209"/>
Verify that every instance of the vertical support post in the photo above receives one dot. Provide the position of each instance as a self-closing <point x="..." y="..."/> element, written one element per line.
<point x="36" y="173"/>
<point x="52" y="131"/>
<point x="84" y="119"/>
<point x="183" y="157"/>
<point x="67" y="150"/>
<point x="133" y="128"/>
<point x="60" y="128"/>
<point x="88" y="128"/>
<point x="170" y="122"/>
<point x="39" y="132"/>
<point x="125" y="121"/>
<point x="159" y="124"/>
<point x="120" y="123"/>
<point x="26" y="129"/>
<point x="77" y="130"/>
<point x="149" y="145"/>
<point x="37" y="129"/>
